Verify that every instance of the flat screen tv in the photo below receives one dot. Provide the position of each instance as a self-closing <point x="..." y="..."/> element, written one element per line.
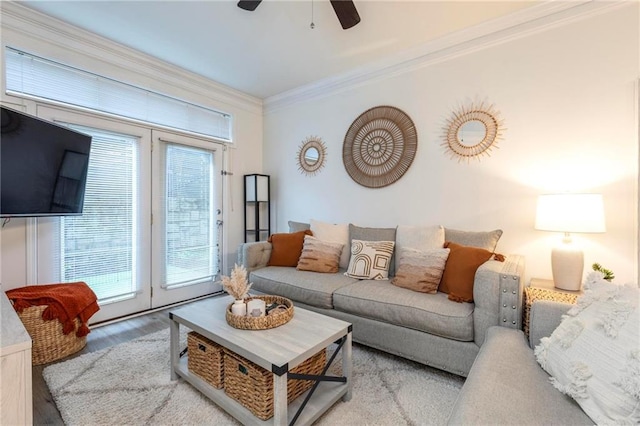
<point x="43" y="167"/>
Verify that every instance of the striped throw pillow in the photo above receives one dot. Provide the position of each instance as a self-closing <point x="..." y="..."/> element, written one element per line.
<point x="319" y="256"/>
<point x="420" y="270"/>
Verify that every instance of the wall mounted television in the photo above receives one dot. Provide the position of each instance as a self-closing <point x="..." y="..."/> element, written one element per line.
<point x="43" y="167"/>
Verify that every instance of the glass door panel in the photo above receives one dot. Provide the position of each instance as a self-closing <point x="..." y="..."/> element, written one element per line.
<point x="107" y="246"/>
<point x="187" y="214"/>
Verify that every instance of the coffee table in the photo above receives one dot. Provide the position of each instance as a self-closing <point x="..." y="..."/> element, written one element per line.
<point x="277" y="350"/>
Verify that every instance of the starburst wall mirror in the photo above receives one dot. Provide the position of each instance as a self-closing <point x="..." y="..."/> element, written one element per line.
<point x="311" y="155"/>
<point x="472" y="131"/>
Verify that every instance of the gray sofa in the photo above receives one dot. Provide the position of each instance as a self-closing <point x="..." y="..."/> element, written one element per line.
<point x="427" y="328"/>
<point x="506" y="385"/>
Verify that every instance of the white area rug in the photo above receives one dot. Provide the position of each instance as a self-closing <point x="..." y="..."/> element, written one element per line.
<point x="130" y="384"/>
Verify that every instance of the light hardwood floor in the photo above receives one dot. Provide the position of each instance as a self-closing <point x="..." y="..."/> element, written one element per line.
<point x="44" y="409"/>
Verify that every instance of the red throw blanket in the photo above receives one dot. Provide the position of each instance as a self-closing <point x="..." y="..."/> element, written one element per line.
<point x="66" y="302"/>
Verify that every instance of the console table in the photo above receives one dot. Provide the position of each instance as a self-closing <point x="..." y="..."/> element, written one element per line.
<point x="16" y="406"/>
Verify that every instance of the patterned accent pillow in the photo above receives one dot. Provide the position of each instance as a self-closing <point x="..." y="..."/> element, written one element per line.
<point x="319" y="256"/>
<point x="370" y="260"/>
<point x="420" y="270"/>
<point x="594" y="354"/>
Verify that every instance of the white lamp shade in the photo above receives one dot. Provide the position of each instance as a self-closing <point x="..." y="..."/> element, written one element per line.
<point x="570" y="213"/>
<point x="256" y="187"/>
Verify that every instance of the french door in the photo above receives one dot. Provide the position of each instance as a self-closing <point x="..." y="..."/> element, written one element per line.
<point x="149" y="233"/>
<point x="187" y="217"/>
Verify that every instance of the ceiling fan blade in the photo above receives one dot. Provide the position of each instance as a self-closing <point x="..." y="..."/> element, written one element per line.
<point x="346" y="13"/>
<point x="249" y="5"/>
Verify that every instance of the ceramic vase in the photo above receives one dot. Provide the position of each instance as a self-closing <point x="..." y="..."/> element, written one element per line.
<point x="239" y="308"/>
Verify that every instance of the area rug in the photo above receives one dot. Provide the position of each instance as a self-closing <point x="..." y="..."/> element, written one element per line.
<point x="129" y="384"/>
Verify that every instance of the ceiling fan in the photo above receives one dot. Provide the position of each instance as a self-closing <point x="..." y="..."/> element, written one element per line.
<point x="345" y="11"/>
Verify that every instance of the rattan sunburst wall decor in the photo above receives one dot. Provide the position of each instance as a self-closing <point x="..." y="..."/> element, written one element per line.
<point x="472" y="131"/>
<point x="311" y="155"/>
<point x="379" y="146"/>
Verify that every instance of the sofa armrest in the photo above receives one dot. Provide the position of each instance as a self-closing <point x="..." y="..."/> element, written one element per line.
<point x="497" y="294"/>
<point x="544" y="317"/>
<point x="506" y="386"/>
<point x="254" y="255"/>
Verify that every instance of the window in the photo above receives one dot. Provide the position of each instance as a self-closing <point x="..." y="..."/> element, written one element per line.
<point x="99" y="246"/>
<point x="190" y="249"/>
<point x="30" y="75"/>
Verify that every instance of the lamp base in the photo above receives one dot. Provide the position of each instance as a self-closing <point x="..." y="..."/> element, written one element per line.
<point x="567" y="266"/>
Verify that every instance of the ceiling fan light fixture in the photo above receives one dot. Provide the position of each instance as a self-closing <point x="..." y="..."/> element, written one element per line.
<point x="249" y="5"/>
<point x="346" y="12"/>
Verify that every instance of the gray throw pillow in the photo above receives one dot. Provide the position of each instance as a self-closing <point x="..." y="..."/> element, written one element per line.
<point x="374" y="234"/>
<point x="485" y="240"/>
<point x="298" y="226"/>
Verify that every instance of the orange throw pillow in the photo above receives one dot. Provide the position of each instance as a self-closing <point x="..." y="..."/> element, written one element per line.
<point x="460" y="271"/>
<point x="286" y="248"/>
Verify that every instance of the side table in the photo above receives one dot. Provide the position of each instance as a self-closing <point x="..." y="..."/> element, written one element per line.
<point x="541" y="289"/>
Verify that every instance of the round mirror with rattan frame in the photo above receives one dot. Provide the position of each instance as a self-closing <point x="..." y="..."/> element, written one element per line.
<point x="476" y="114"/>
<point x="311" y="155"/>
<point x="379" y="146"/>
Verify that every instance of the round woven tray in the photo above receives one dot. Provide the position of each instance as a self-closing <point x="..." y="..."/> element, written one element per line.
<point x="276" y="319"/>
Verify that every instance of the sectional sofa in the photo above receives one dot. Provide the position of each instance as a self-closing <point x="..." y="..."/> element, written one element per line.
<point x="427" y="328"/>
<point x="506" y="385"/>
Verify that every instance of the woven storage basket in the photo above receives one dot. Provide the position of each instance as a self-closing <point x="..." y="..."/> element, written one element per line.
<point x="49" y="342"/>
<point x="262" y="323"/>
<point x="205" y="359"/>
<point x="252" y="385"/>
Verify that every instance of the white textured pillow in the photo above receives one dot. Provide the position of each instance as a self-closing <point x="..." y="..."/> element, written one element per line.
<point x="421" y="238"/>
<point x="594" y="354"/>
<point x="370" y="260"/>
<point x="337" y="233"/>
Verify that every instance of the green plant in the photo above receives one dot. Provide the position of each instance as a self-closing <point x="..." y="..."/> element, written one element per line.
<point x="608" y="274"/>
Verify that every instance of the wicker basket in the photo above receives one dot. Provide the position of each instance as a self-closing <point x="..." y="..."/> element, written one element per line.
<point x="49" y="342"/>
<point x="531" y="294"/>
<point x="205" y="359"/>
<point x="252" y="385"/>
<point x="273" y="320"/>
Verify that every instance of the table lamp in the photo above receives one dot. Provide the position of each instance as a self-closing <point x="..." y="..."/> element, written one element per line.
<point x="569" y="213"/>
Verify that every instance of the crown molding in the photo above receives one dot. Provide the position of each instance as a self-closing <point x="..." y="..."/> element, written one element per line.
<point x="49" y="30"/>
<point x="519" y="24"/>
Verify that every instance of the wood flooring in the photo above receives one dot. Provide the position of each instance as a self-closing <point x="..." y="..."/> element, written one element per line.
<point x="44" y="409"/>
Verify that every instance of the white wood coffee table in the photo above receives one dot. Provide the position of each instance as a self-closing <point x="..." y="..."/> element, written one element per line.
<point x="277" y="350"/>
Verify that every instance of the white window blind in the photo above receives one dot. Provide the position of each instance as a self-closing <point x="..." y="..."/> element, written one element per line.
<point x="100" y="247"/>
<point x="191" y="233"/>
<point x="27" y="74"/>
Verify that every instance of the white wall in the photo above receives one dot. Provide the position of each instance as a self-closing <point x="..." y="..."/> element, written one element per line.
<point x="46" y="37"/>
<point x="569" y="101"/>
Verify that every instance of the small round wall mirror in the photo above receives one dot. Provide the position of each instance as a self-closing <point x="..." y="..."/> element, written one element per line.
<point x="311" y="155"/>
<point x="472" y="131"/>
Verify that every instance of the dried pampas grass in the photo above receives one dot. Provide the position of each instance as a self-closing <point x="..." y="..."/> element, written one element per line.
<point x="237" y="285"/>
